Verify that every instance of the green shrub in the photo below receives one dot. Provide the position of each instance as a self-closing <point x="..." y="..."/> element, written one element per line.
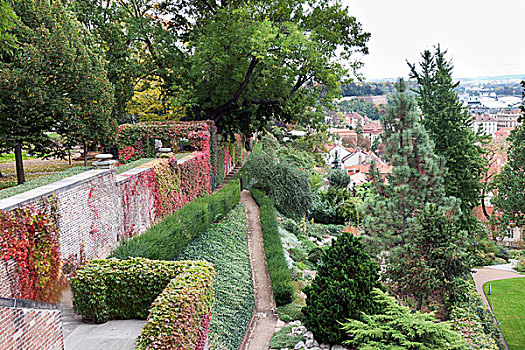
<point x="285" y="184"/>
<point x="109" y="289"/>
<point x="226" y="247"/>
<point x="165" y="240"/>
<point x="478" y="318"/>
<point x="341" y="289"/>
<point x="290" y="312"/>
<point x="280" y="276"/>
<point x="338" y="178"/>
<point x="397" y="327"/>
<point x="285" y="339"/>
<point x="181" y="313"/>
<point x="334" y="206"/>
<point x="520" y="267"/>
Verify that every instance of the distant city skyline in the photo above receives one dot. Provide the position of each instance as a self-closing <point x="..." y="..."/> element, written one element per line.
<point x="483" y="38"/>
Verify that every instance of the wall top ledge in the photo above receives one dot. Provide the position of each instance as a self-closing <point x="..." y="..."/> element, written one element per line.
<point x="55" y="187"/>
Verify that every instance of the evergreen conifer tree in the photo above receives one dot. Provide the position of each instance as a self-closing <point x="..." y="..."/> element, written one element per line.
<point x="416" y="178"/>
<point x="424" y="253"/>
<point x="449" y="127"/>
<point x="510" y="183"/>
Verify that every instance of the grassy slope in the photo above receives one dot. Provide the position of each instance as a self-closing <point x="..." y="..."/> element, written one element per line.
<point x="508" y="299"/>
<point x="225" y="245"/>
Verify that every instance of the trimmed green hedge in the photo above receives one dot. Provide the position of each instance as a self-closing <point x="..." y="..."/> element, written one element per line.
<point x="226" y="247"/>
<point x="108" y="289"/>
<point x="280" y="276"/>
<point x="166" y="240"/>
<point x="180" y="316"/>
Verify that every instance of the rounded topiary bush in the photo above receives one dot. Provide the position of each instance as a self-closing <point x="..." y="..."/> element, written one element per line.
<point x="341" y="290"/>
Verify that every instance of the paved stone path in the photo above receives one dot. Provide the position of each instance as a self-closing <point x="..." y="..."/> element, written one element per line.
<point x="112" y="335"/>
<point x="261" y="331"/>
<point x="492" y="273"/>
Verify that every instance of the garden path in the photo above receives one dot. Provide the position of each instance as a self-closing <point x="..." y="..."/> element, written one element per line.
<point x="491" y="273"/>
<point x="264" y="320"/>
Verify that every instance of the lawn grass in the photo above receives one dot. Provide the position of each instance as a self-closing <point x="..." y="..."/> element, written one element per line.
<point x="125" y="167"/>
<point x="225" y="246"/>
<point x="508" y="301"/>
<point x="41" y="181"/>
<point x="10" y="157"/>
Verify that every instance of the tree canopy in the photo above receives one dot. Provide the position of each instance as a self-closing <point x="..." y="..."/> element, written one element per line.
<point x="238" y="63"/>
<point x="448" y="124"/>
<point x="510" y="183"/>
<point x="7" y="22"/>
<point x="54" y="81"/>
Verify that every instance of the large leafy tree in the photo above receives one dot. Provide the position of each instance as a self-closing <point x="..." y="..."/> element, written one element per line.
<point x="7" y="22"/>
<point x="135" y="43"/>
<point x="448" y="124"/>
<point x="54" y="80"/>
<point x="510" y="183"/>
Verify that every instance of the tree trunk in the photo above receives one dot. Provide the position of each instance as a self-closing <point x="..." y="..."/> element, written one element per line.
<point x="20" y="176"/>
<point x="85" y="153"/>
<point x="419" y="304"/>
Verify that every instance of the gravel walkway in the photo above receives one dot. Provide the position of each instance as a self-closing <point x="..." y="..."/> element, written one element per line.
<point x="260" y="332"/>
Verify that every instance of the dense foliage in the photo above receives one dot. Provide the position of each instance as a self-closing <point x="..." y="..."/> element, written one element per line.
<point x="334" y="206"/>
<point x="180" y="290"/>
<point x="30" y="251"/>
<point x="341" y="290"/>
<point x="475" y="322"/>
<point x="54" y="81"/>
<point x="165" y="240"/>
<point x="360" y="106"/>
<point x="225" y="246"/>
<point x="510" y="183"/>
<point x="280" y="276"/>
<point x="396" y="327"/>
<point x="433" y="261"/>
<point x="181" y="313"/>
<point x="288" y="186"/>
<point x="7" y="22"/>
<point x="448" y="125"/>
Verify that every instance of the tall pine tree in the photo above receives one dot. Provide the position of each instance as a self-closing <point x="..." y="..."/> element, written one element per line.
<point x="510" y="183"/>
<point x="416" y="178"/>
<point x="449" y="127"/>
<point x="399" y="221"/>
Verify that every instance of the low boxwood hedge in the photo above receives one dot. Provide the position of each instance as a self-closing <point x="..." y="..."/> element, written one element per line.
<point x="180" y="316"/>
<point x="280" y="276"/>
<point x="165" y="240"/>
<point x="112" y="288"/>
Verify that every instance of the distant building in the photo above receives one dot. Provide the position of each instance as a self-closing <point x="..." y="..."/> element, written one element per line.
<point x="508" y="119"/>
<point x="485" y="123"/>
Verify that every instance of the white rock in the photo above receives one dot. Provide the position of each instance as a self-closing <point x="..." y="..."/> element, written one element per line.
<point x="299" y="346"/>
<point x="338" y="347"/>
<point x="309" y="335"/>
<point x="298" y="330"/>
<point x="325" y="347"/>
<point x="295" y="323"/>
<point x="311" y="343"/>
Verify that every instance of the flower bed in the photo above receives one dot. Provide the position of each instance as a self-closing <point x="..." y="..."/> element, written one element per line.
<point x="225" y="245"/>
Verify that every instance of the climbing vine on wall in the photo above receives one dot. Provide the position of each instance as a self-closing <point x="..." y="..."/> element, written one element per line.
<point x="29" y="239"/>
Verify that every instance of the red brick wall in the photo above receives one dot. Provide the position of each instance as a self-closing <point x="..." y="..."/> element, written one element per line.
<point x="30" y="329"/>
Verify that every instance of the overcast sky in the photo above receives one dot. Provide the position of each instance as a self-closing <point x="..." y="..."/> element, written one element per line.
<point x="483" y="38"/>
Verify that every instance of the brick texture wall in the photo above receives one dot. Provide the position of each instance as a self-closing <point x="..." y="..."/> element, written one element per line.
<point x="30" y="329"/>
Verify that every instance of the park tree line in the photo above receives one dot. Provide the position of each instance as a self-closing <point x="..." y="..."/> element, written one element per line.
<point x="79" y="68"/>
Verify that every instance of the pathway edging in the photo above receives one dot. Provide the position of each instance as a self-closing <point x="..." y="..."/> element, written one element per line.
<point x="264" y="319"/>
